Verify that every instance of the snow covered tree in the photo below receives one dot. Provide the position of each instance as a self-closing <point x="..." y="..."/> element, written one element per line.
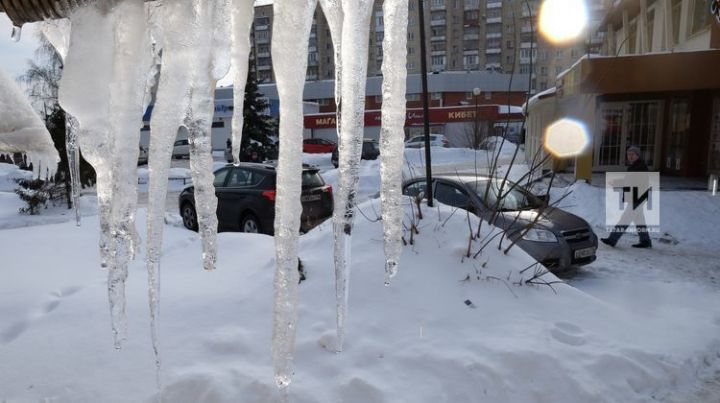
<point x="42" y="82"/>
<point x="257" y="126"/>
<point x="34" y="192"/>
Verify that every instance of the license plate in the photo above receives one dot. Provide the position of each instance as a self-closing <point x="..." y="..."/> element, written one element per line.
<point x="309" y="198"/>
<point x="584" y="252"/>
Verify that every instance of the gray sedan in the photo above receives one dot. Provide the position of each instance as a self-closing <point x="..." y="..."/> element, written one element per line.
<point x="555" y="238"/>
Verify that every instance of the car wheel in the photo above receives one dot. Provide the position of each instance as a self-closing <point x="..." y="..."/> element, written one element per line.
<point x="250" y="224"/>
<point x="189" y="217"/>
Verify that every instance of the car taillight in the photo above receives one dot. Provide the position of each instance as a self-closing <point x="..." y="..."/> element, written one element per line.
<point x="269" y="194"/>
<point x="328" y="189"/>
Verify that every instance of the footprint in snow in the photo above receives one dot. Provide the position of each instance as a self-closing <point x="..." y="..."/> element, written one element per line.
<point x="13" y="331"/>
<point x="567" y="333"/>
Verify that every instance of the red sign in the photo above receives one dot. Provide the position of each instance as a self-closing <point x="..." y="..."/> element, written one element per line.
<point x="414" y="117"/>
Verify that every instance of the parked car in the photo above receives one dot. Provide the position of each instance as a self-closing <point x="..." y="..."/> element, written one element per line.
<point x="436" y="140"/>
<point x="370" y="151"/>
<point x="558" y="240"/>
<point x="318" y="146"/>
<point x="246" y="199"/>
<point x="181" y="149"/>
<point x="142" y="156"/>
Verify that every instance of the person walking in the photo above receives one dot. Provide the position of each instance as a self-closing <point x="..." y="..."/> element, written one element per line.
<point x="636" y="164"/>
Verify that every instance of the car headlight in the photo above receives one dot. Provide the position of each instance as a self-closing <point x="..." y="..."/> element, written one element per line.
<point x="539" y="235"/>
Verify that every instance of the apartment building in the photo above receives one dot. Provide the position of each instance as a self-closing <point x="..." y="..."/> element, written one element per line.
<point x="656" y="87"/>
<point x="461" y="35"/>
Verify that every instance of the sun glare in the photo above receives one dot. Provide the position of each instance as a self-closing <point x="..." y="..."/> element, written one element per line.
<point x="566" y="138"/>
<point x="563" y="21"/>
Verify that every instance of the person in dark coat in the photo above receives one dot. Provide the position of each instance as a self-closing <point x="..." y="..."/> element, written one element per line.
<point x="636" y="165"/>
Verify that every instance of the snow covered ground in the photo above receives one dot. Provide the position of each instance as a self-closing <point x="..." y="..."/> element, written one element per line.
<point x="635" y="326"/>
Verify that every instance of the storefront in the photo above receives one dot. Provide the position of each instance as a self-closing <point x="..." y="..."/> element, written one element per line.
<point x="667" y="104"/>
<point x="457" y="123"/>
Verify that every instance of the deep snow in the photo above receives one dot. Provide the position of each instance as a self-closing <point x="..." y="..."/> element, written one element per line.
<point x="631" y="327"/>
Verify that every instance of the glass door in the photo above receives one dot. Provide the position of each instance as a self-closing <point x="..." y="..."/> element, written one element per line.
<point x="714" y="159"/>
<point x="677" y="136"/>
<point x="625" y="124"/>
<point x="609" y="150"/>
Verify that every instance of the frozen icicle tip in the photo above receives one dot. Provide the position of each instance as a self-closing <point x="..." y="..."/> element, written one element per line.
<point x="16" y="33"/>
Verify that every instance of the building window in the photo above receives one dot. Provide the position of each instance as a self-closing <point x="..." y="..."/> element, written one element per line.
<point x="543" y="71"/>
<point x="676" y="8"/>
<point x="379" y="36"/>
<point x="436" y="96"/>
<point x="438" y="60"/>
<point x="412" y="97"/>
<point x="470" y="60"/>
<point x="700" y="16"/>
<point x="488" y="95"/>
<point x="218" y="124"/>
<point x="509" y="44"/>
<point x="411" y="51"/>
<point x="650" y="25"/>
<point x="632" y="38"/>
<point x="438" y="3"/>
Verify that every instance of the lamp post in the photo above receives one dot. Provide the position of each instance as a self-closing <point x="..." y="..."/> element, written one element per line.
<point x="476" y="137"/>
<point x="426" y="111"/>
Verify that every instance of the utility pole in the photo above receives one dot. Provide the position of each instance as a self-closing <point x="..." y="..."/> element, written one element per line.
<point x="426" y="111"/>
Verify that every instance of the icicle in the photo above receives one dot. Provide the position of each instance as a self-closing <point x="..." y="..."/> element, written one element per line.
<point x="355" y="32"/>
<point x="57" y="32"/>
<point x="242" y="18"/>
<point x="105" y="97"/>
<point x="16" y="34"/>
<point x="291" y="30"/>
<point x="73" y="158"/>
<point x="395" y="19"/>
<point x="334" y="15"/>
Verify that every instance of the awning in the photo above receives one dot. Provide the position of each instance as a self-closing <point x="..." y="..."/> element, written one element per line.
<point x="657" y="72"/>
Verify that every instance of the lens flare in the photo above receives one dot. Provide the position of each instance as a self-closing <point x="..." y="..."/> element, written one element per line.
<point x="566" y="138"/>
<point x="563" y="21"/>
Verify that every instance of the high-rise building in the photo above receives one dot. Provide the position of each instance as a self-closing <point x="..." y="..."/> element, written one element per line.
<point x="485" y="35"/>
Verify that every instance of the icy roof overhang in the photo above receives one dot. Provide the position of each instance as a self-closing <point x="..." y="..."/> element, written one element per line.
<point x="653" y="72"/>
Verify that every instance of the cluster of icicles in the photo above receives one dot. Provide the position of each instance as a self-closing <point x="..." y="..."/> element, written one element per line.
<point x="117" y="53"/>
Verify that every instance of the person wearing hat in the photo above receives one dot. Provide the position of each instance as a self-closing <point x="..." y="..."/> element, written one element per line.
<point x="636" y="164"/>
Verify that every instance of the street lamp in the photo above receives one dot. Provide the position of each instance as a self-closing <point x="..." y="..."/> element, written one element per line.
<point x="426" y="109"/>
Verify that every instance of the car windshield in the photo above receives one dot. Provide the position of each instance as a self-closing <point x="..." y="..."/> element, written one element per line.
<point x="513" y="196"/>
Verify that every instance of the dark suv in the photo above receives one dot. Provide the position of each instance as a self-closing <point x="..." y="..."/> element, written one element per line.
<point x="246" y="199"/>
<point x="370" y="151"/>
<point x="558" y="239"/>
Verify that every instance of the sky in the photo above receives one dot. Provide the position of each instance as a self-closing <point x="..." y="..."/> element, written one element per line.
<point x="14" y="55"/>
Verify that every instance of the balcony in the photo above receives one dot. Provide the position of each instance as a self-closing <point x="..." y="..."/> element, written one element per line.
<point x="437" y="38"/>
<point x="472" y="5"/>
<point x="493" y="51"/>
<point x="437" y="53"/>
<point x="493" y="5"/>
<point x="471" y="66"/>
<point x="438" y="22"/>
<point x="493" y="35"/>
<point x="435" y="6"/>
<point x="263" y="54"/>
<point x="263" y="27"/>
<point x="471" y="37"/>
<point x="495" y="20"/>
<point x="264" y="67"/>
<point x="260" y="41"/>
<point x="527" y="60"/>
<point x="527" y="30"/>
<point x="528" y="45"/>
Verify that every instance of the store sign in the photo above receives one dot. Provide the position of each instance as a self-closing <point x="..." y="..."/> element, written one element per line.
<point x="414" y="117"/>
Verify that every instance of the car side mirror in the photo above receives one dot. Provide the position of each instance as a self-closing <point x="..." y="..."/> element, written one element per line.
<point x="544" y="198"/>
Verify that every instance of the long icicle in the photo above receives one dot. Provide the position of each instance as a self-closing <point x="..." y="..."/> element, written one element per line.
<point x="212" y="63"/>
<point x="242" y="18"/>
<point x="291" y="30"/>
<point x="57" y="32"/>
<point x="355" y="36"/>
<point x="395" y="18"/>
